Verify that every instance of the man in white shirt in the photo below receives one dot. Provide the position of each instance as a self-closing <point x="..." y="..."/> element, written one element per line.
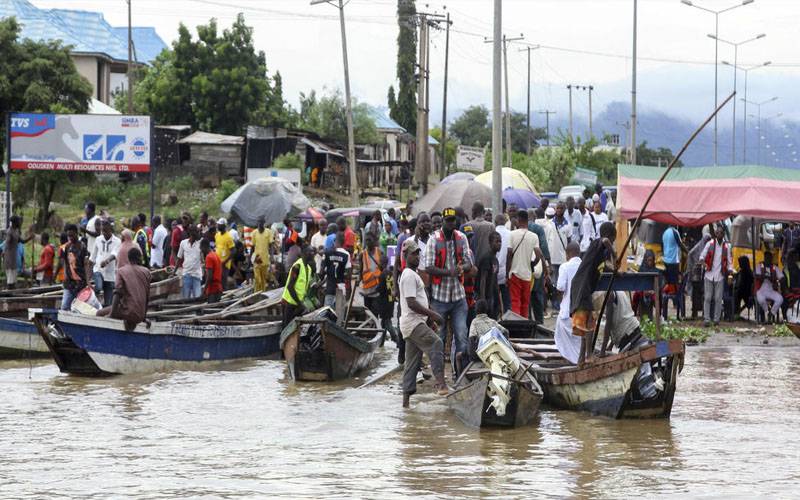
<point x="523" y="252"/>
<point x="92" y="228"/>
<point x="558" y="245"/>
<point x="591" y="224"/>
<point x="716" y="257"/>
<point x="191" y="259"/>
<point x="104" y="262"/>
<point x="160" y="235"/>
<point x="318" y="243"/>
<point x="414" y="316"/>
<point x="502" y="256"/>
<point x="568" y="345"/>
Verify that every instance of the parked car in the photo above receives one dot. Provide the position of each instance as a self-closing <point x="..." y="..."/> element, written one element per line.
<point x="575" y="191"/>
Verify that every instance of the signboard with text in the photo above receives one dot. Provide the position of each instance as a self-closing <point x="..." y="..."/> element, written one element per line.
<point x="470" y="158"/>
<point x="584" y="176"/>
<point x="85" y="143"/>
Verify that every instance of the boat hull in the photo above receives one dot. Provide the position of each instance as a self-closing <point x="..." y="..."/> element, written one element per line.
<point x="607" y="386"/>
<point x="335" y="354"/>
<point x="471" y="404"/>
<point x="19" y="338"/>
<point x="87" y="345"/>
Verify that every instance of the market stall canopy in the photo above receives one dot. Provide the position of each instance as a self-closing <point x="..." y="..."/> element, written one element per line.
<point x="453" y="194"/>
<point x="522" y="198"/>
<point x="693" y="196"/>
<point x="273" y="198"/>
<point x="458" y="176"/>
<point x="512" y="178"/>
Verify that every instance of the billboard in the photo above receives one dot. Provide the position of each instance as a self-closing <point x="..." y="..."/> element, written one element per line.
<point x="584" y="176"/>
<point x="470" y="158"/>
<point x="87" y="143"/>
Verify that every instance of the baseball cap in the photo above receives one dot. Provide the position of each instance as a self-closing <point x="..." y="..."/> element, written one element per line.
<point x="222" y="221"/>
<point x="448" y="212"/>
<point x="410" y="246"/>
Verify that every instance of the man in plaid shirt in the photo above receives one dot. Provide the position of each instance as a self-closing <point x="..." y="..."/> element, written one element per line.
<point x="447" y="259"/>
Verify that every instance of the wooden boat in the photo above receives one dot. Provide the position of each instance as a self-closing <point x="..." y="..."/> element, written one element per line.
<point x="606" y="385"/>
<point x="795" y="328"/>
<point x="90" y="345"/>
<point x="316" y="348"/>
<point x="19" y="337"/>
<point x="471" y="402"/>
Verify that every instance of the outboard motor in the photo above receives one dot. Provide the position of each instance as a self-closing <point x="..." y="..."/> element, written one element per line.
<point x="497" y="354"/>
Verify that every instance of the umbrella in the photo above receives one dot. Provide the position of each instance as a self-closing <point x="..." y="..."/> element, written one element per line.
<point x="312" y="215"/>
<point x="458" y="176"/>
<point x="522" y="198"/>
<point x="270" y="197"/>
<point x="384" y="204"/>
<point x="453" y="194"/>
<point x="512" y="178"/>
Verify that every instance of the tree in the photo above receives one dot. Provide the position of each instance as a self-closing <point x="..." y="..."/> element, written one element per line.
<point x="326" y="116"/>
<point x="403" y="102"/>
<point x="473" y="127"/>
<point x="216" y="83"/>
<point x="450" y="148"/>
<point x="655" y="157"/>
<point x="38" y="77"/>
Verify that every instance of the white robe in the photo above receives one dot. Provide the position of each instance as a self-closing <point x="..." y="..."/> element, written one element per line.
<point x="568" y="345"/>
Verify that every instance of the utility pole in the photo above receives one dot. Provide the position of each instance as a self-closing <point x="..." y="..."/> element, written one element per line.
<point x="130" y="60"/>
<point x="422" y="138"/>
<point x="632" y="144"/>
<point x="497" y="178"/>
<point x="591" y="134"/>
<point x="547" y="114"/>
<point x="506" y="41"/>
<point x="351" y="147"/>
<point x="571" y="137"/>
<point x="530" y="131"/>
<point x="444" y="169"/>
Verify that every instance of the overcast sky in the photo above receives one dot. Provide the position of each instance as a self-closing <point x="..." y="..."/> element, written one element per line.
<point x="584" y="42"/>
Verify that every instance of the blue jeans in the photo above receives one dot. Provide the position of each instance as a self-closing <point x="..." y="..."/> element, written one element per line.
<point x="67" y="299"/>
<point x="191" y="287"/>
<point x="456" y="312"/>
<point x="106" y="287"/>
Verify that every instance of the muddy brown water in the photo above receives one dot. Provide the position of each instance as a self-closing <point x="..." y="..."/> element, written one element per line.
<point x="249" y="431"/>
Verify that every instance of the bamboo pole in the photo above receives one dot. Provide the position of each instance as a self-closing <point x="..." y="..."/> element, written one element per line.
<point x="639" y="218"/>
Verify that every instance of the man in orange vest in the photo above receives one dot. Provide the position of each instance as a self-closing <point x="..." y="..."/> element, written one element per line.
<point x="447" y="259"/>
<point x="717" y="258"/>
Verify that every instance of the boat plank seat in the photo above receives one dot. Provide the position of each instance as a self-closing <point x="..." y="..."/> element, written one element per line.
<point x="540" y="355"/>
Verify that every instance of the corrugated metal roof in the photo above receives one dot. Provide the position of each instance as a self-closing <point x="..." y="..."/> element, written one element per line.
<point x="146" y="41"/>
<point x="320" y="147"/>
<point x="383" y="121"/>
<point x="207" y="138"/>
<point x="86" y="32"/>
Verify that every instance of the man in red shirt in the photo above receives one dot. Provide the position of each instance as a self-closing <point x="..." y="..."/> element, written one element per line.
<point x="177" y="236"/>
<point x="46" y="258"/>
<point x="213" y="272"/>
<point x="349" y="235"/>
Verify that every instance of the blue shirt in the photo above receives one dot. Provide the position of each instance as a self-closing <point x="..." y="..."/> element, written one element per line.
<point x="669" y="244"/>
<point x="330" y="241"/>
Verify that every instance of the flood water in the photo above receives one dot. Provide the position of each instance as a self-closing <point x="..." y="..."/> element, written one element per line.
<point x="250" y="431"/>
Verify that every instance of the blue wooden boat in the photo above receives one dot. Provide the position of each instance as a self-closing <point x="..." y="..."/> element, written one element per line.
<point x="96" y="346"/>
<point x="19" y="338"/>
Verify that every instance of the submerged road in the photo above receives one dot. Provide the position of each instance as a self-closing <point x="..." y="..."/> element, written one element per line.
<point x="251" y="431"/>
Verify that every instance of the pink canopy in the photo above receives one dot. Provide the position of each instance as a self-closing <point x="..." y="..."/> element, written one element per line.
<point x="693" y="196"/>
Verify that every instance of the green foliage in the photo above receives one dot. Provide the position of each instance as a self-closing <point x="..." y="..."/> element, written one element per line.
<point x="450" y="147"/>
<point x="38" y="77"/>
<point x="403" y="105"/>
<point x="226" y="188"/>
<point x="670" y="331"/>
<point x="217" y="83"/>
<point x="654" y="157"/>
<point x="473" y="127"/>
<point x="289" y="160"/>
<point x="326" y="116"/>
<point x="781" y="330"/>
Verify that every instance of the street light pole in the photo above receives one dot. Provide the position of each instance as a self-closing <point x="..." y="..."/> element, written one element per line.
<point x="735" y="46"/>
<point x="758" y="107"/>
<point x="716" y="55"/>
<point x="633" y="90"/>
<point x="351" y="147"/>
<point x="746" y="71"/>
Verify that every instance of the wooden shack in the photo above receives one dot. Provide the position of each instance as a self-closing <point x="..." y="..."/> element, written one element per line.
<point x="214" y="157"/>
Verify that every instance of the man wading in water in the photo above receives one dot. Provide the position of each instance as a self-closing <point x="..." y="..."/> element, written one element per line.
<point x="416" y="325"/>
